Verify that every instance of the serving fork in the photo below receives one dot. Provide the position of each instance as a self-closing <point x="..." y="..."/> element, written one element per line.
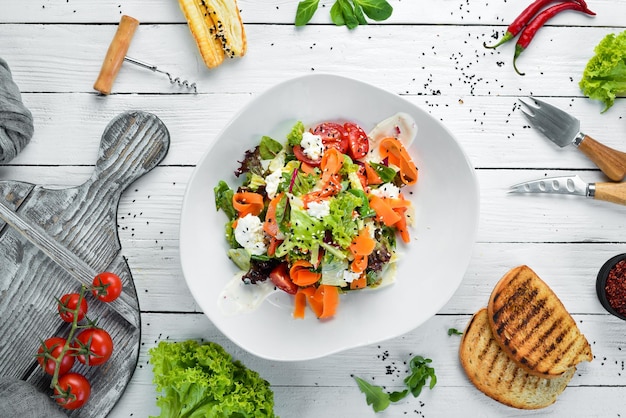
<point x="564" y="129"/>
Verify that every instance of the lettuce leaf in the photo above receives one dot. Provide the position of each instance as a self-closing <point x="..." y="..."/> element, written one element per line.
<point x="604" y="77"/>
<point x="224" y="199"/>
<point x="202" y="380"/>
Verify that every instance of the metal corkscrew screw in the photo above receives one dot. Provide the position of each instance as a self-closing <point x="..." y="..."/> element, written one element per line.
<point x="153" y="68"/>
<point x="117" y="54"/>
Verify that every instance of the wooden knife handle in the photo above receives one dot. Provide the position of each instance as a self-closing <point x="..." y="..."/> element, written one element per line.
<point x="610" y="161"/>
<point x="115" y="55"/>
<point x="611" y="192"/>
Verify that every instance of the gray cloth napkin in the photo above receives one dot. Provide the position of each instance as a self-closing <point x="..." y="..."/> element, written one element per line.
<point x="21" y="399"/>
<point x="16" y="121"/>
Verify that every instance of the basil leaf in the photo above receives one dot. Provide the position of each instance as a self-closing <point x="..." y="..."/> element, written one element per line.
<point x="358" y="12"/>
<point x="268" y="148"/>
<point x="348" y="13"/>
<point x="336" y="15"/>
<point x="306" y="10"/>
<point x="376" y="9"/>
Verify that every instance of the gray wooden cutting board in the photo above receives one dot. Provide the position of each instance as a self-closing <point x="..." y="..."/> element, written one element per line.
<point x="75" y="232"/>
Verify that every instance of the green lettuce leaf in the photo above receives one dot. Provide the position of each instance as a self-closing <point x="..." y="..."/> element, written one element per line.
<point x="340" y="220"/>
<point x="604" y="77"/>
<point x="224" y="199"/>
<point x="269" y="148"/>
<point x="202" y="380"/>
<point x="295" y="136"/>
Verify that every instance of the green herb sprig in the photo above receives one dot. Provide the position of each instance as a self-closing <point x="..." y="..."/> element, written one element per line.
<point x="421" y="372"/>
<point x="350" y="13"/>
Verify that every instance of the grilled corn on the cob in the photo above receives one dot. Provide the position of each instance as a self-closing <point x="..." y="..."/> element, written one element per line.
<point x="217" y="28"/>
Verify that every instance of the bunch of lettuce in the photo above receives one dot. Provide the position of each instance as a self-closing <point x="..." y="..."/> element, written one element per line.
<point x="202" y="380"/>
<point x="604" y="77"/>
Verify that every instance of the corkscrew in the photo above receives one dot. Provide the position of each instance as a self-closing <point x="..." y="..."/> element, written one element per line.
<point x="117" y="54"/>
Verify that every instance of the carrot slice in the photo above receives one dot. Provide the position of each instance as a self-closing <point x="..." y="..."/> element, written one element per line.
<point x="403" y="230"/>
<point x="248" y="203"/>
<point x="301" y="274"/>
<point x="359" y="264"/>
<point x="270" y="226"/>
<point x="274" y="243"/>
<point x="300" y="301"/>
<point x="331" y="163"/>
<point x="363" y="243"/>
<point x="306" y="168"/>
<point x="372" y="175"/>
<point x="359" y="283"/>
<point x="394" y="151"/>
<point x="330" y="300"/>
<point x="384" y="211"/>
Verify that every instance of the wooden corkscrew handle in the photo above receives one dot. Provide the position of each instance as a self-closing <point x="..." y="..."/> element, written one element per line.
<point x="115" y="55"/>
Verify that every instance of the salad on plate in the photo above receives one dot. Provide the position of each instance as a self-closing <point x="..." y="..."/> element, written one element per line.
<point x="319" y="214"/>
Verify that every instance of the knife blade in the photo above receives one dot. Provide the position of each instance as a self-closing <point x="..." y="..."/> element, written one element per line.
<point x="563" y="129"/>
<point x="574" y="185"/>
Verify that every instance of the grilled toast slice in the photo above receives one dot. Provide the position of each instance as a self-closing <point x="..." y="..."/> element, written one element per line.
<point x="532" y="326"/>
<point x="491" y="370"/>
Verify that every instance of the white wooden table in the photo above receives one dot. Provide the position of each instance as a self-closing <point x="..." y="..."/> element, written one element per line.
<point x="431" y="53"/>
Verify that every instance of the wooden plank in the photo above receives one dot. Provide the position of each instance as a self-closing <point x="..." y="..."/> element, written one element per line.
<point x="283" y="12"/>
<point x="421" y="61"/>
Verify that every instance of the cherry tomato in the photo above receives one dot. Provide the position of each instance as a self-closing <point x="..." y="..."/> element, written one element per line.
<point x="280" y="277"/>
<point x="54" y="346"/>
<point x="107" y="286"/>
<point x="358" y="143"/>
<point x="68" y="303"/>
<point x="333" y="136"/>
<point x="94" y="346"/>
<point x="301" y="156"/>
<point x="74" y="391"/>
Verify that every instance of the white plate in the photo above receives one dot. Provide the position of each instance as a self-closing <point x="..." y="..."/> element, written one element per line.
<point x="446" y="199"/>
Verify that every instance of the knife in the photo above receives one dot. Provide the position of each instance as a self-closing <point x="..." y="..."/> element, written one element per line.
<point x="574" y="185"/>
<point x="564" y="129"/>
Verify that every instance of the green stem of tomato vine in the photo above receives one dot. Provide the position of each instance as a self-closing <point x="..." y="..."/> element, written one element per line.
<point x="54" y="384"/>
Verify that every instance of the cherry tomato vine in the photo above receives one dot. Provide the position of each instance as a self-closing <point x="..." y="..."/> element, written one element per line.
<point x="85" y="342"/>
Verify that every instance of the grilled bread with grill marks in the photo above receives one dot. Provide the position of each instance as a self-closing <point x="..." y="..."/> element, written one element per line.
<point x="532" y="326"/>
<point x="491" y="370"/>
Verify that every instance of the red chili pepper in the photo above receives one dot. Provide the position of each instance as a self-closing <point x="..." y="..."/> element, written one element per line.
<point x="531" y="29"/>
<point x="522" y="20"/>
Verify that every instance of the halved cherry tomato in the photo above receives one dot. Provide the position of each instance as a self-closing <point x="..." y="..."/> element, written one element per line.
<point x="94" y="346"/>
<point x="280" y="277"/>
<point x="54" y="347"/>
<point x="107" y="286"/>
<point x="74" y="391"/>
<point x="358" y="143"/>
<point x="333" y="136"/>
<point x="301" y="156"/>
<point x="68" y="304"/>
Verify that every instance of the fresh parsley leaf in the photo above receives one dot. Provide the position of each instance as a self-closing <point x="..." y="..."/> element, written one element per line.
<point x="376" y="9"/>
<point x="306" y="10"/>
<point x="374" y="395"/>
<point x="454" y="331"/>
<point x="421" y="373"/>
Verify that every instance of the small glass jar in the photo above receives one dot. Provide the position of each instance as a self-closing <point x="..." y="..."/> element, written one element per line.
<point x="611" y="286"/>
